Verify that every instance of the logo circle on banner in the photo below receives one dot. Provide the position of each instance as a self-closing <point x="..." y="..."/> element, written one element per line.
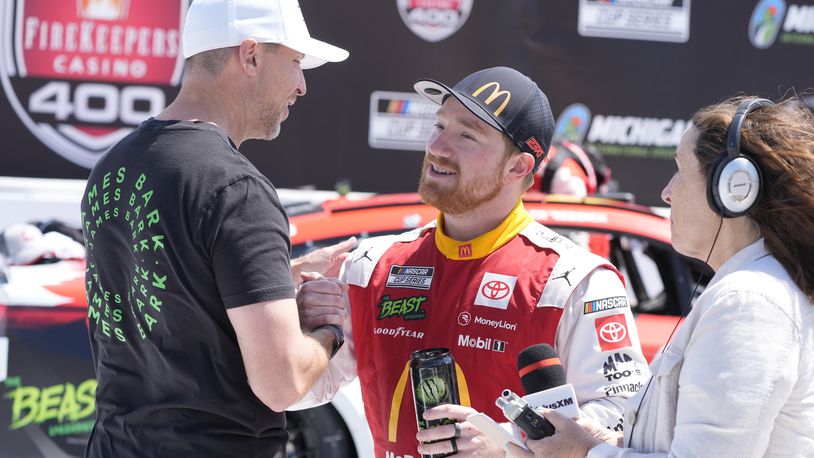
<point x="573" y="123"/>
<point x="765" y="22"/>
<point x="434" y="20"/>
<point x="82" y="74"/>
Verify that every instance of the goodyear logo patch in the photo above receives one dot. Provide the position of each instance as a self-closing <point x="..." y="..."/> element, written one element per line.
<point x="414" y="277"/>
<point x="608" y="303"/>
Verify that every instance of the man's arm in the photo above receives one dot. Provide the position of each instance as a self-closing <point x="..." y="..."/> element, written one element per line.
<point x="599" y="347"/>
<point x="342" y="367"/>
<point x="281" y="362"/>
<point x="245" y="233"/>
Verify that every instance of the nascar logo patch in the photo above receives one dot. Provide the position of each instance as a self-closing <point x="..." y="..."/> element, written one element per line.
<point x="608" y="303"/>
<point x="413" y="277"/>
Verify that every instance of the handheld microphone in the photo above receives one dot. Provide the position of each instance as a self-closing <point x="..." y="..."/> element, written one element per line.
<point x="543" y="379"/>
<point x="539" y="368"/>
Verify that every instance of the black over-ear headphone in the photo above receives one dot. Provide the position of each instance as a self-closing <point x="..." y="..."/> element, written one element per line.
<point x="735" y="180"/>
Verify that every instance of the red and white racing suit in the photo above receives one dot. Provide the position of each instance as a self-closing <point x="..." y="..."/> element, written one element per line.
<point x="486" y="300"/>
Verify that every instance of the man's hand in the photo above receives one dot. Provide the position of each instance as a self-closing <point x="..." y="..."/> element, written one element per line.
<point x="462" y="437"/>
<point x="569" y="441"/>
<point x="327" y="261"/>
<point x="320" y="301"/>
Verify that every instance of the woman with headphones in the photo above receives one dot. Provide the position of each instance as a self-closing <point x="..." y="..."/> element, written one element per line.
<point x="738" y="378"/>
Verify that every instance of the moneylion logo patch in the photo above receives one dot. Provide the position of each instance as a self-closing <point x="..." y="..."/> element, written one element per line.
<point x="82" y="74"/>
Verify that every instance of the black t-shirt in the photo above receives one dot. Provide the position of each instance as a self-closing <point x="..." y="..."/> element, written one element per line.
<point x="179" y="227"/>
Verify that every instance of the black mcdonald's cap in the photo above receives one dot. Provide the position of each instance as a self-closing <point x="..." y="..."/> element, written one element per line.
<point x="505" y="99"/>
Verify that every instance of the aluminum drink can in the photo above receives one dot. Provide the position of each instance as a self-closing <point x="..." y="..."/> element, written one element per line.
<point x="434" y="382"/>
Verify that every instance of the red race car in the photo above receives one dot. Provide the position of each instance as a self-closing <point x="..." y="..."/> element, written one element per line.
<point x="634" y="238"/>
<point x="47" y="378"/>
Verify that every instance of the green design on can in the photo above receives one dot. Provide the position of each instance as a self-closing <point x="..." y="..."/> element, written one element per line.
<point x="431" y="390"/>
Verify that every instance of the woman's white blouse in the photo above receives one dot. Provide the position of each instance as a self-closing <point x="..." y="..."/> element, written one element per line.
<point x="738" y="378"/>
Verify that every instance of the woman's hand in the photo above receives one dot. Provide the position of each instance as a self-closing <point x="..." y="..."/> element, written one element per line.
<point x="571" y="439"/>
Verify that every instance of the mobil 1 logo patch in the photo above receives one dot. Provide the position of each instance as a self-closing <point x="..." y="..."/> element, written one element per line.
<point x="82" y="74"/>
<point x="482" y="343"/>
<point x="413" y="277"/>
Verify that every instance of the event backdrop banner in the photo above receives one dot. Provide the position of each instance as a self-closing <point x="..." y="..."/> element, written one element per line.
<point x="624" y="76"/>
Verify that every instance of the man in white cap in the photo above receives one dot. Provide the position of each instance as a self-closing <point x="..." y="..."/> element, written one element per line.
<point x="193" y="324"/>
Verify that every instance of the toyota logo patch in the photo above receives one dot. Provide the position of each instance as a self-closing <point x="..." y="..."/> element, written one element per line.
<point x="612" y="332"/>
<point x="495" y="290"/>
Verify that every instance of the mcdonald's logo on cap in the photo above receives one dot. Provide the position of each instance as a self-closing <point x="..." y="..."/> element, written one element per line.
<point x="496" y="92"/>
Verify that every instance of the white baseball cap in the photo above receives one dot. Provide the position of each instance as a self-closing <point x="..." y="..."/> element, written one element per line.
<point x="214" y="24"/>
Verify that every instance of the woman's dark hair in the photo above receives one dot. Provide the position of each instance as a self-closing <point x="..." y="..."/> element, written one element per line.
<point x="780" y="139"/>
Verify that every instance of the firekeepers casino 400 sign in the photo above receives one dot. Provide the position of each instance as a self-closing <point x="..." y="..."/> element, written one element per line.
<point x="81" y="74"/>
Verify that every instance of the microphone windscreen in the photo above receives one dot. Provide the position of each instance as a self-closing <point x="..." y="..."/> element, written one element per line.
<point x="539" y="368"/>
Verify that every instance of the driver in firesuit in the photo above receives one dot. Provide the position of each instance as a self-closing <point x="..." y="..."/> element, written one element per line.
<point x="483" y="280"/>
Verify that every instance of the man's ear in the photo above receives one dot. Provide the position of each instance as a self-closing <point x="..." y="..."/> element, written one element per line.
<point x="519" y="166"/>
<point x="247" y="54"/>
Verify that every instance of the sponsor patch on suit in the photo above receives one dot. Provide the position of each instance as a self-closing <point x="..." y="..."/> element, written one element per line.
<point x="413" y="277"/>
